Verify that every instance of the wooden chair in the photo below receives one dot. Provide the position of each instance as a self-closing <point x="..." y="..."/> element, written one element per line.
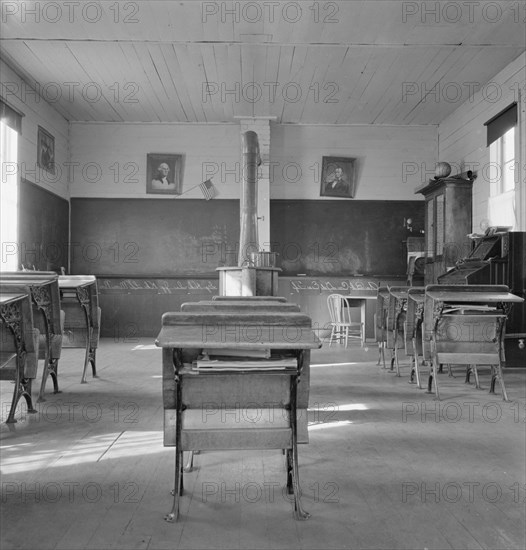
<point x="342" y="325"/>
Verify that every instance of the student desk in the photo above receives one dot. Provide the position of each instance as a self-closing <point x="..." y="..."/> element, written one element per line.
<point x="44" y="292"/>
<point x="413" y="329"/>
<point x="80" y="302"/>
<point x="396" y="314"/>
<point x="380" y="326"/>
<point x="465" y="325"/>
<point x="268" y="389"/>
<point x="249" y="306"/>
<point x="19" y="341"/>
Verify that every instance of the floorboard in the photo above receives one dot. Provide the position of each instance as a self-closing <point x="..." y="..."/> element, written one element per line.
<point x="387" y="466"/>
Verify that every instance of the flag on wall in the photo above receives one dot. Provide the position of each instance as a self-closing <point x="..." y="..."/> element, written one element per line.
<point x="208" y="189"/>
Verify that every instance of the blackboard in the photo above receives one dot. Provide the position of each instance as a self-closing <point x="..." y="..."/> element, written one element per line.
<point x="152" y="237"/>
<point x="44" y="228"/>
<point x="343" y="238"/>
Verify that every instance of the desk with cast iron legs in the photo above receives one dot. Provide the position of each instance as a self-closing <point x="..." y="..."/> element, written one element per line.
<point x="413" y="330"/>
<point x="18" y="344"/>
<point x="42" y="287"/>
<point x="465" y="325"/>
<point x="396" y="315"/>
<point x="380" y="320"/>
<point x="262" y="386"/>
<point x="80" y="302"/>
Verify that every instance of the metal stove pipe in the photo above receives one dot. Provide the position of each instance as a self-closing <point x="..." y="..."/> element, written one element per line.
<point x="248" y="237"/>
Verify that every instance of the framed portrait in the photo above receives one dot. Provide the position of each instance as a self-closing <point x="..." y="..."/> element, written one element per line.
<point x="164" y="174"/>
<point x="45" y="150"/>
<point x="337" y="177"/>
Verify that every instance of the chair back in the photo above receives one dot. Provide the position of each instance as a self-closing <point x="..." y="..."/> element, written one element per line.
<point x="339" y="309"/>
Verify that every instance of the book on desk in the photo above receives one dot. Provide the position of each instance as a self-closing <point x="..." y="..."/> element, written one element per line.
<point x="212" y="363"/>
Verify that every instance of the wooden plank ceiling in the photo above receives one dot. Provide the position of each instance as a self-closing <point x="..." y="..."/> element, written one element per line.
<point x="344" y="62"/>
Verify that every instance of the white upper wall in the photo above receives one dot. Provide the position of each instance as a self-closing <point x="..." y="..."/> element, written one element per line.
<point x="18" y="94"/>
<point x="109" y="160"/>
<point x="389" y="159"/>
<point x="462" y="136"/>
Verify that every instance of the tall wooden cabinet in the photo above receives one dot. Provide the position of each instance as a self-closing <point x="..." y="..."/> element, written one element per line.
<point x="447" y="223"/>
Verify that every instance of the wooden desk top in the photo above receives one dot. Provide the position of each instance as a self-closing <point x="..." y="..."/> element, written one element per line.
<point x="75" y="281"/>
<point x="399" y="292"/>
<point x="359" y="296"/>
<point x="240" y="305"/>
<point x="6" y="297"/>
<point x="473" y="297"/>
<point x="238" y="330"/>
<point x="241" y="268"/>
<point x="250" y="298"/>
<point x="416" y="294"/>
<point x="31" y="280"/>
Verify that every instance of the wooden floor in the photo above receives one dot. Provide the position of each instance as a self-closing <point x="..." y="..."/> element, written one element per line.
<point x="387" y="466"/>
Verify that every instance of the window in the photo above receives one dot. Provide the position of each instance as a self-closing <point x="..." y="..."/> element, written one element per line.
<point x="8" y="198"/>
<point x="502" y="158"/>
<point x="501" y="141"/>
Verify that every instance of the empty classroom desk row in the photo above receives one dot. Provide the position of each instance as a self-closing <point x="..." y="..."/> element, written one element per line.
<point x="63" y="312"/>
<point x="441" y="325"/>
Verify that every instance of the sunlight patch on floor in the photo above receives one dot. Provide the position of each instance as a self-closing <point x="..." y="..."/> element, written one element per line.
<point x="324" y="425"/>
<point x="332" y="364"/>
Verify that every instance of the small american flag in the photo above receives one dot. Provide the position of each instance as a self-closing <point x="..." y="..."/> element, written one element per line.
<point x="208" y="189"/>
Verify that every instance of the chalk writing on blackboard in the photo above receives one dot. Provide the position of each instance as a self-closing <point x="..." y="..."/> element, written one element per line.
<point x="158" y="286"/>
<point x="344" y="285"/>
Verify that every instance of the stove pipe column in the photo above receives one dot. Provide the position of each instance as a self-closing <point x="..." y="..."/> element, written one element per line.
<point x="248" y="238"/>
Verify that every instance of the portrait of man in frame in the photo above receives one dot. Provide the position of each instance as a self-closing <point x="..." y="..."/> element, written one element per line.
<point x="337" y="177"/>
<point x="164" y="173"/>
<point x="45" y="150"/>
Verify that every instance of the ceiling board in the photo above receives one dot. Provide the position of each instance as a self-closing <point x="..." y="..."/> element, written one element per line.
<point x="163" y="54"/>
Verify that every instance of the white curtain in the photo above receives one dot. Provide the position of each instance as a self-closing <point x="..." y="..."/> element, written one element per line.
<point x="8" y="198"/>
<point x="501" y="210"/>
